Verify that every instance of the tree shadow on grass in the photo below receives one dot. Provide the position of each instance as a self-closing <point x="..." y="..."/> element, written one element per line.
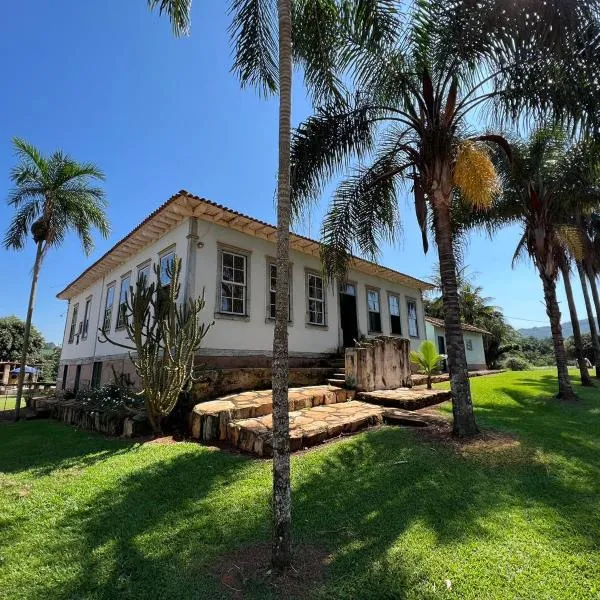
<point x="154" y="532"/>
<point x="43" y="446"/>
<point x="367" y="494"/>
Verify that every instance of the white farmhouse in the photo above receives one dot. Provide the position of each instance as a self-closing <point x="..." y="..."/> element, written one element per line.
<point x="231" y="257"/>
<point x="473" y="338"/>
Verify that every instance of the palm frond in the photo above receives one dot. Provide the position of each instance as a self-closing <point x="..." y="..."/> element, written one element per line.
<point x="363" y="214"/>
<point x="18" y="231"/>
<point x="58" y="198"/>
<point x="178" y="11"/>
<point x="325" y="143"/>
<point x="253" y="32"/>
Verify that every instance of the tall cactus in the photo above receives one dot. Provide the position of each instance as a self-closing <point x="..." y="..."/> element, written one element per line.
<point x="166" y="334"/>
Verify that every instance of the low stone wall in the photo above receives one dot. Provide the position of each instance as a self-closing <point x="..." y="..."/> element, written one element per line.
<point x="105" y="422"/>
<point x="220" y="382"/>
<point x="380" y="363"/>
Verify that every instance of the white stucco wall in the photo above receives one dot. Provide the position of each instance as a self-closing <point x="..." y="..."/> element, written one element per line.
<point x="91" y="346"/>
<point x="254" y="333"/>
<point x="475" y="355"/>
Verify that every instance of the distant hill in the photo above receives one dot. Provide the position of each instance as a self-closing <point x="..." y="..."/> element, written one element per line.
<point x="543" y="332"/>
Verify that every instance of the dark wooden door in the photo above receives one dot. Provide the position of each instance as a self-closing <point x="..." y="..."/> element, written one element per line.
<point x="348" y="319"/>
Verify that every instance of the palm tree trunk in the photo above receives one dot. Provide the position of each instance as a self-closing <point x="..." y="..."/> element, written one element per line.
<point x="565" y="391"/>
<point x="34" y="281"/>
<point x="462" y="406"/>
<point x="591" y="319"/>
<point x="583" y="370"/>
<point x="594" y="288"/>
<point x="281" y="557"/>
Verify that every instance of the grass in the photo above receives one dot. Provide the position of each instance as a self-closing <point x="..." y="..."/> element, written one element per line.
<point x="9" y="402"/>
<point x="82" y="516"/>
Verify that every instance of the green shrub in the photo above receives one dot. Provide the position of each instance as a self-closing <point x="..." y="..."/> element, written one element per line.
<point x="516" y="363"/>
<point x="110" y="397"/>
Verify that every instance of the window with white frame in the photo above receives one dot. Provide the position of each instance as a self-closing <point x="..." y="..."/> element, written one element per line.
<point x="374" y="311"/>
<point x="122" y="314"/>
<point x="394" y="306"/>
<point x="315" y="290"/>
<point x="272" y="283"/>
<point x="413" y="321"/>
<point x="108" y="307"/>
<point x="72" y="330"/>
<point x="233" y="284"/>
<point x="86" y="318"/>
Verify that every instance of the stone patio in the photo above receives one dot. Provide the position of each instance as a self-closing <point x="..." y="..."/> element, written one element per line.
<point x="317" y="413"/>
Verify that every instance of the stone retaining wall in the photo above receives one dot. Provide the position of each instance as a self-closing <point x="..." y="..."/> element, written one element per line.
<point x="380" y="363"/>
<point x="106" y="422"/>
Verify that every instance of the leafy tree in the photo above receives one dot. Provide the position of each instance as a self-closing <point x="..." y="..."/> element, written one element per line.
<point x="409" y="114"/>
<point x="166" y="335"/>
<point x="548" y="179"/>
<point x="427" y="359"/>
<point x="587" y="346"/>
<point x="52" y="196"/>
<point x="50" y="363"/>
<point x="12" y="336"/>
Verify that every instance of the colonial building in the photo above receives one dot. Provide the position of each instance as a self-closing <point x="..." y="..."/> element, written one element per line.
<point x="230" y="257"/>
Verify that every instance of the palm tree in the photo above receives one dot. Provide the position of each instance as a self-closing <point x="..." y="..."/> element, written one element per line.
<point x="547" y="182"/>
<point x="52" y="196"/>
<point x="590" y="315"/>
<point x="316" y="28"/>
<point x="591" y="257"/>
<point x="427" y="359"/>
<point x="577" y="339"/>
<point x="410" y="112"/>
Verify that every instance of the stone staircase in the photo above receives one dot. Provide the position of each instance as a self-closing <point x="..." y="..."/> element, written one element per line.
<point x="338" y="379"/>
<point x="317" y="413"/>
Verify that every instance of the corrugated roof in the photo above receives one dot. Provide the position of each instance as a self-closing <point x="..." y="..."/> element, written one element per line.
<point x="183" y="205"/>
<point x="464" y="326"/>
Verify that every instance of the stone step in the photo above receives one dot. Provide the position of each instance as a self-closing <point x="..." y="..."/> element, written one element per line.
<point x="405" y="398"/>
<point x="208" y="421"/>
<point x="308" y="427"/>
<point x="337" y="381"/>
<point x="339" y="375"/>
<point x="312" y="426"/>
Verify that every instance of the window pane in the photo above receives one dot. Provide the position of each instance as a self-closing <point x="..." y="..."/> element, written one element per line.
<point x="110" y="296"/>
<point x="413" y="329"/>
<point x="238" y="307"/>
<point x="239" y="276"/>
<point x="394" y="306"/>
<point x="373" y="300"/>
<point x="166" y="265"/>
<point x="227" y="259"/>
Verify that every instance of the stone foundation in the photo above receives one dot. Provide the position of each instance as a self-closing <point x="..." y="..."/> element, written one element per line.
<point x="219" y="382"/>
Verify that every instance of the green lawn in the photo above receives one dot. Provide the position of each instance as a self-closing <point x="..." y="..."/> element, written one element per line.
<point x="8" y="403"/>
<point x="87" y="517"/>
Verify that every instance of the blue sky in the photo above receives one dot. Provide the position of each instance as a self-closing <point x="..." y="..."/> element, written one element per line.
<point x="106" y="81"/>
